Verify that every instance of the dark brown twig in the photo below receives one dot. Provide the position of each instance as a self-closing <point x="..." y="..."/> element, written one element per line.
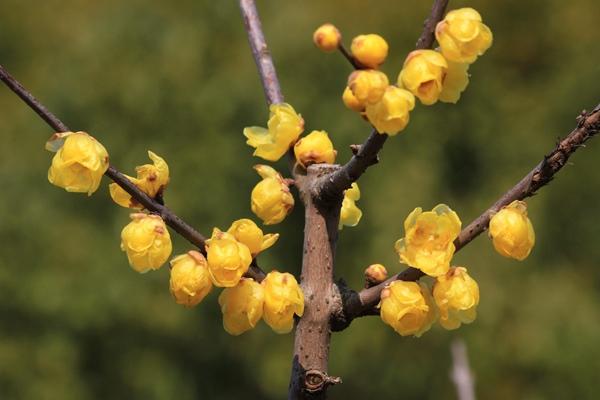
<point x="349" y="57"/>
<point x="428" y="36"/>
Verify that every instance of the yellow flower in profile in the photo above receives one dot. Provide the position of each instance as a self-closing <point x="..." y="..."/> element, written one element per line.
<point x="462" y="36"/>
<point x="455" y="82"/>
<point x="457" y="296"/>
<point x="284" y="128"/>
<point x="247" y="232"/>
<point x="350" y="214"/>
<point x="368" y="86"/>
<point x="351" y="102"/>
<point x="79" y="162"/>
<point x="512" y="232"/>
<point x="151" y="179"/>
<point x="242" y="306"/>
<point x="391" y="114"/>
<point x="428" y="239"/>
<point x="146" y="241"/>
<point x="315" y="148"/>
<point x="369" y="50"/>
<point x="283" y="299"/>
<point x="228" y="259"/>
<point x="271" y="199"/>
<point x="408" y="308"/>
<point x="422" y="75"/>
<point x="190" y="280"/>
<point x="327" y="38"/>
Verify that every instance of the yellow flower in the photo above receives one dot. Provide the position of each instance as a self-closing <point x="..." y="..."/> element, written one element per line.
<point x="428" y="239"/>
<point x="327" y="38"/>
<point x="408" y="308"/>
<point x="227" y="258"/>
<point x="245" y="231"/>
<point x="271" y="199"/>
<point x="315" y="148"/>
<point x="283" y="299"/>
<point x="351" y="101"/>
<point x="422" y="75"/>
<point x="79" y="162"/>
<point x="457" y="296"/>
<point x="242" y="306"/>
<point x="151" y="179"/>
<point x="455" y="82"/>
<point x="284" y="128"/>
<point x="375" y="274"/>
<point x="146" y="241"/>
<point x="391" y="114"/>
<point x="190" y="280"/>
<point x="512" y="232"/>
<point x="462" y="36"/>
<point x="350" y="214"/>
<point x="369" y="50"/>
<point x="368" y="86"/>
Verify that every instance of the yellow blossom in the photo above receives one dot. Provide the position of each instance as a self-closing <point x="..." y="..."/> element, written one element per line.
<point x="151" y="179"/>
<point x="146" y="241"/>
<point x="428" y="239"/>
<point x="391" y="114"/>
<point x="283" y="299"/>
<point x="350" y="214"/>
<point x="190" y="280"/>
<point x="462" y="36"/>
<point x="368" y="86"/>
<point x="79" y="162"/>
<point x="227" y="258"/>
<point x="327" y="38"/>
<point x="247" y="232"/>
<point x="455" y="82"/>
<point x="271" y="199"/>
<point x="315" y="148"/>
<point x="284" y="128"/>
<point x="375" y="274"/>
<point x="369" y="50"/>
<point x="351" y="101"/>
<point x="512" y="232"/>
<point x="408" y="308"/>
<point x="242" y="306"/>
<point x="422" y="75"/>
<point x="457" y="296"/>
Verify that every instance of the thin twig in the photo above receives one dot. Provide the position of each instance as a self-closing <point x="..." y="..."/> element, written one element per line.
<point x="349" y="57"/>
<point x="428" y="36"/>
<point x="461" y="374"/>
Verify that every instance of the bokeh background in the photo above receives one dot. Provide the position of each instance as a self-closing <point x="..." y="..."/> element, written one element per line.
<point x="178" y="78"/>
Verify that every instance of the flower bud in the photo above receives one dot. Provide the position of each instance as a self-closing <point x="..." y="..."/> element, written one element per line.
<point x="408" y="308"/>
<point x="283" y="299"/>
<point x="391" y="114"/>
<point x="368" y="86"/>
<point x="242" y="306"/>
<point x="350" y="214"/>
<point x="375" y="274"/>
<point x="422" y="75"/>
<point x="457" y="296"/>
<point x="247" y="232"/>
<point x="227" y="258"/>
<point x="327" y="38"/>
<point x="190" y="279"/>
<point x="428" y="239"/>
<point x="315" y="148"/>
<point x="146" y="241"/>
<point x="512" y="232"/>
<point x="284" y="128"/>
<point x="369" y="50"/>
<point x="462" y="36"/>
<point x="151" y="179"/>
<point x="271" y="199"/>
<point x="79" y="162"/>
<point x="455" y="82"/>
<point x="351" y="101"/>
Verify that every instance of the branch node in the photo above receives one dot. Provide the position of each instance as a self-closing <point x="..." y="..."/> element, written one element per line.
<point x="316" y="381"/>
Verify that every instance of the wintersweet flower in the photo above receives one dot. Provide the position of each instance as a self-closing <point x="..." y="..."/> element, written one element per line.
<point x="283" y="299"/>
<point x="369" y="50"/>
<point x="428" y="239"/>
<point x="327" y="38"/>
<point x="422" y="74"/>
<point x="315" y="148"/>
<point x="350" y="214"/>
<point x="79" y="162"/>
<point x="242" y="306"/>
<point x="151" y="179"/>
<point x="284" y="128"/>
<point x="375" y="274"/>
<point x="455" y="82"/>
<point x="391" y="114"/>
<point x="512" y="232"/>
<point x="146" y="241"/>
<point x="408" y="308"/>
<point x="247" y="232"/>
<point x="351" y="102"/>
<point x="457" y="296"/>
<point x="462" y="36"/>
<point x="228" y="259"/>
<point x="271" y="199"/>
<point x="190" y="279"/>
<point x="368" y="86"/>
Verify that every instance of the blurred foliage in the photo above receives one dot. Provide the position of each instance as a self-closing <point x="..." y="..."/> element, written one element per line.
<point x="177" y="77"/>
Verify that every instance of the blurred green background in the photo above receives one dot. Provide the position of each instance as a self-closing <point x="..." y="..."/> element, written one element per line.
<point x="178" y="78"/>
